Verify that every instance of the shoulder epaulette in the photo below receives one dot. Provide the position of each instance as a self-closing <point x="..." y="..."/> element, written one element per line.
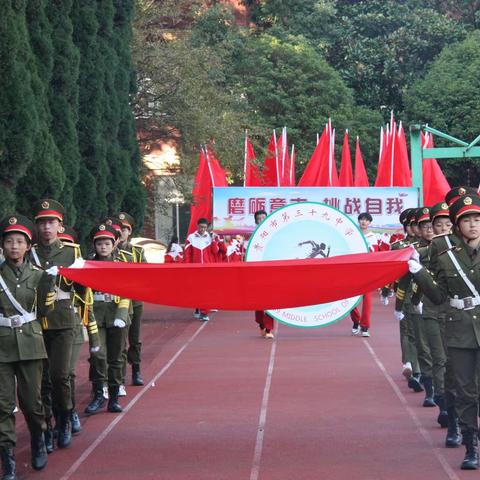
<point x="126" y="252"/>
<point x="68" y="244"/>
<point x="453" y="247"/>
<point x="440" y="235"/>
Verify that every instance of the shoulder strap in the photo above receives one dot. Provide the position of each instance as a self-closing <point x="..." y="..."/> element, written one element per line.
<point x="467" y="281"/>
<point x="12" y="299"/>
<point x="35" y="257"/>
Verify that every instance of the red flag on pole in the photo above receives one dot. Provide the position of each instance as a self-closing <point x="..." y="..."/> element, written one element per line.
<point x="310" y="173"/>
<point x="219" y="178"/>
<point x="270" y="172"/>
<point x="361" y="178"/>
<point x="327" y="174"/>
<point x="252" y="176"/>
<point x="435" y="185"/>
<point x="346" y="174"/>
<point x="403" y="175"/>
<point x="201" y="206"/>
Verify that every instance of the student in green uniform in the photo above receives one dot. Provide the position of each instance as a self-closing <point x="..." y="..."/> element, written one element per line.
<point x="134" y="340"/>
<point x="457" y="280"/>
<point x="59" y="324"/>
<point x="23" y="295"/>
<point x="112" y="317"/>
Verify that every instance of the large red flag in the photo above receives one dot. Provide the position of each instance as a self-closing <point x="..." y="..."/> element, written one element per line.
<point x="435" y="185"/>
<point x="219" y="178"/>
<point x="403" y="176"/>
<point x="270" y="171"/>
<point x="327" y="174"/>
<point x="201" y="206"/>
<point x="309" y="176"/>
<point x="346" y="174"/>
<point x="361" y="178"/>
<point x="252" y="176"/>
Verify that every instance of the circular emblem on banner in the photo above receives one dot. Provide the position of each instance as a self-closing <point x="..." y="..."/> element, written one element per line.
<point x="101" y="227"/>
<point x="12" y="220"/>
<point x="467" y="201"/>
<point x="45" y="205"/>
<point x="307" y="230"/>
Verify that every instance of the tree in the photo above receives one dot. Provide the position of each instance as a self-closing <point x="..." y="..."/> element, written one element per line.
<point x="448" y="99"/>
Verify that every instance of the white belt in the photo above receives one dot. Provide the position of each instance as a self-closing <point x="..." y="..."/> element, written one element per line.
<point x="102" y="297"/>
<point x="467" y="303"/>
<point x="16" y="321"/>
<point x="62" y="295"/>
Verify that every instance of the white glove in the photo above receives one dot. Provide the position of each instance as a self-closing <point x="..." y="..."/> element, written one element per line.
<point x="53" y="271"/>
<point x="418" y="308"/>
<point x="383" y="300"/>
<point x="414" y="266"/>
<point x="398" y="315"/>
<point x="119" y="323"/>
<point x="78" y="263"/>
<point x="94" y="349"/>
<point x="414" y="255"/>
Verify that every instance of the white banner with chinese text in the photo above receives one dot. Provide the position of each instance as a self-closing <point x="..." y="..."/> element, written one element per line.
<point x="233" y="207"/>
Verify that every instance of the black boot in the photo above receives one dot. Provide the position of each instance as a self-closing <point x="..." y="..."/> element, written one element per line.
<point x="454" y="438"/>
<point x="414" y="383"/>
<point x="8" y="463"/>
<point x="137" y="379"/>
<point x="428" y="386"/>
<point x="113" y="405"/>
<point x="65" y="430"/>
<point x="49" y="437"/>
<point x="442" y="418"/>
<point x="470" y="462"/>
<point x="98" y="401"/>
<point x="75" y="421"/>
<point x="39" y="451"/>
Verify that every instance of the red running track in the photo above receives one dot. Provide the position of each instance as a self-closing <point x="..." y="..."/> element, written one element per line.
<point x="222" y="403"/>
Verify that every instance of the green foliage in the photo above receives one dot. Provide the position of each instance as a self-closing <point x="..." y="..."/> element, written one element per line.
<point x="448" y="98"/>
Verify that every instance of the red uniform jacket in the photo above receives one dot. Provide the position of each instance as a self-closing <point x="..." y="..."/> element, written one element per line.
<point x="175" y="255"/>
<point x="200" y="249"/>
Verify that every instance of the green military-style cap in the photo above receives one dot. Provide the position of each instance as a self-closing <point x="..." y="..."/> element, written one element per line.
<point x="457" y="192"/>
<point x="440" y="209"/>
<point x="422" y="214"/>
<point x="15" y="223"/>
<point x="411" y="216"/>
<point x="403" y="216"/>
<point x="114" y="222"/>
<point x="464" y="206"/>
<point x="48" y="208"/>
<point x="126" y="220"/>
<point x="103" y="230"/>
<point x="67" y="234"/>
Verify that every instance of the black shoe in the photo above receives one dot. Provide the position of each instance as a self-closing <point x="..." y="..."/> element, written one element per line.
<point x="414" y="384"/>
<point x="113" y="405"/>
<point x="470" y="462"/>
<point x="97" y="403"/>
<point x="428" y="386"/>
<point x="65" y="430"/>
<point x="442" y="418"/>
<point x="137" y="379"/>
<point x="49" y="437"/>
<point x="454" y="437"/>
<point x="8" y="463"/>
<point x="39" y="451"/>
<point x="75" y="421"/>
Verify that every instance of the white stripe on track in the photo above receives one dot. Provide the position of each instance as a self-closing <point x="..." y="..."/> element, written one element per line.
<point x="257" y="455"/>
<point x="130" y="405"/>
<point x="436" y="451"/>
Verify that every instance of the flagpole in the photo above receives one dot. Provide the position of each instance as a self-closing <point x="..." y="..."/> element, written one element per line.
<point x="209" y="166"/>
<point x="284" y="150"/>
<point x="276" y="155"/>
<point x="245" y="162"/>
<point x="393" y="155"/>
<point x="292" y="169"/>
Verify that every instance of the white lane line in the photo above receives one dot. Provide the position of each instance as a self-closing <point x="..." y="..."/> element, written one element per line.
<point x="257" y="455"/>
<point x="134" y="400"/>
<point x="436" y="451"/>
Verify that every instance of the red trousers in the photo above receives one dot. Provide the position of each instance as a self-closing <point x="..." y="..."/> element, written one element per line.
<point x="264" y="320"/>
<point x="364" y="318"/>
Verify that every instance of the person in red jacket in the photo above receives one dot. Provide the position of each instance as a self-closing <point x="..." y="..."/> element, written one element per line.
<point x="265" y="321"/>
<point x="201" y="247"/>
<point x="230" y="250"/>
<point x="361" y="322"/>
<point x="174" y="253"/>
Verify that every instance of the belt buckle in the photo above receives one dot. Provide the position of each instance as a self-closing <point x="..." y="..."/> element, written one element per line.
<point x="108" y="297"/>
<point x="16" y="321"/>
<point x="468" y="303"/>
